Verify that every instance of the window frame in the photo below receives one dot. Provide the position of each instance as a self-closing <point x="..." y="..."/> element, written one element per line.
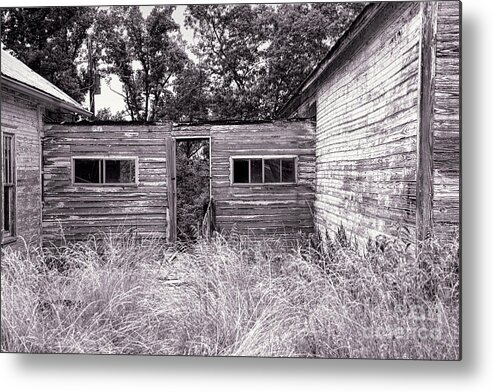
<point x="263" y="158"/>
<point x="12" y="232"/>
<point x="103" y="170"/>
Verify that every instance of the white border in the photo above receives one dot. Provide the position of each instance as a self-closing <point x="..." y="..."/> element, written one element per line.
<point x="22" y="372"/>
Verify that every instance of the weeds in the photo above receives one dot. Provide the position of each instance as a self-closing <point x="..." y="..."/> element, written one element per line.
<point x="233" y="296"/>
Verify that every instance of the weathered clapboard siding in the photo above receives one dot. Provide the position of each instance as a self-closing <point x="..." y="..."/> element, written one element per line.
<point x="185" y="131"/>
<point x="77" y="210"/>
<point x="80" y="210"/>
<point x="446" y="121"/>
<point x="387" y="100"/>
<point x="366" y="129"/>
<point x="21" y="117"/>
<point x="276" y="210"/>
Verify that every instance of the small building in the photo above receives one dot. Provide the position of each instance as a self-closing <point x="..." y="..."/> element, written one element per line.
<point x="122" y="176"/>
<point x="27" y="99"/>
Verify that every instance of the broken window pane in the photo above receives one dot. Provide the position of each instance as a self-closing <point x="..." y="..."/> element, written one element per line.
<point x="288" y="173"/>
<point x="119" y="171"/>
<point x="240" y="171"/>
<point x="272" y="170"/>
<point x="87" y="171"/>
<point x="256" y="169"/>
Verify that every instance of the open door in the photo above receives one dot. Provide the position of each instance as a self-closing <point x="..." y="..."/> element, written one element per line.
<point x="192" y="165"/>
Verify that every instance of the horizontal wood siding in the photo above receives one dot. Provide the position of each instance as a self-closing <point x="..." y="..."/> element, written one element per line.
<point x="78" y="210"/>
<point x="20" y="117"/>
<point x="366" y="130"/>
<point x="446" y="125"/>
<point x="273" y="210"/>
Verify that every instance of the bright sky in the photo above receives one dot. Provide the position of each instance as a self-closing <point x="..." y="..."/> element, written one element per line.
<point x="110" y="99"/>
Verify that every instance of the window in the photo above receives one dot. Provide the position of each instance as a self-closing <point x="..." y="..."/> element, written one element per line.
<point x="264" y="170"/>
<point x="8" y="175"/>
<point x="111" y="171"/>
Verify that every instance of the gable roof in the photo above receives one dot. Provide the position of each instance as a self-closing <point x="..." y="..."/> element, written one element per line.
<point x="18" y="75"/>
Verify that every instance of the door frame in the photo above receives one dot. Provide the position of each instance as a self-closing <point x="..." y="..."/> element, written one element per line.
<point x="171" y="144"/>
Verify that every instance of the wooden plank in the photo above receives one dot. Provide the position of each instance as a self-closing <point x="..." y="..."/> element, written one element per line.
<point x="447" y="126"/>
<point x="426" y="97"/>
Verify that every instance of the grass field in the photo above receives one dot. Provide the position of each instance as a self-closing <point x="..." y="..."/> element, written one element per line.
<point x="233" y="296"/>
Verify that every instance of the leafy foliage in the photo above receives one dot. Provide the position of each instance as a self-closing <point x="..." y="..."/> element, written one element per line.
<point x="190" y="99"/>
<point x="145" y="54"/>
<point x="230" y="45"/>
<point x="300" y="36"/>
<point x="105" y="114"/>
<point x="49" y="40"/>
<point x="250" y="57"/>
<point x="256" y="55"/>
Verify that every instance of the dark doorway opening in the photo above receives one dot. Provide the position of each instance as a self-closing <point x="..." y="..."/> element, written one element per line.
<point x="193" y="190"/>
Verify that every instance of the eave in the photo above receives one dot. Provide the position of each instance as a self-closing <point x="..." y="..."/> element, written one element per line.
<point x="309" y="86"/>
<point x="42" y="96"/>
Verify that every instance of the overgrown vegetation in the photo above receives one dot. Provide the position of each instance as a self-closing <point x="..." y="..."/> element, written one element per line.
<point x="233" y="296"/>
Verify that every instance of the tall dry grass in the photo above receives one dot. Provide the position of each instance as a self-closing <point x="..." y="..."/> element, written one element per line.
<point x="233" y="296"/>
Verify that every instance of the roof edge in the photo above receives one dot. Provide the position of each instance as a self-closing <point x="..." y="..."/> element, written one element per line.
<point x="96" y="122"/>
<point x="359" y="23"/>
<point x="43" y="97"/>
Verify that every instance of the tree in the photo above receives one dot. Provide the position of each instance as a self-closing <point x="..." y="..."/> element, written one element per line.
<point x="105" y="114"/>
<point x="301" y="35"/>
<point x="256" y="55"/>
<point x="49" y="40"/>
<point x="230" y="39"/>
<point x="190" y="97"/>
<point x="145" y="54"/>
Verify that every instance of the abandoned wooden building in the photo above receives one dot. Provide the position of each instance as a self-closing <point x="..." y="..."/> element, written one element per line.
<point x="262" y="177"/>
<point x="387" y="105"/>
<point x="26" y="100"/>
<point x="369" y="141"/>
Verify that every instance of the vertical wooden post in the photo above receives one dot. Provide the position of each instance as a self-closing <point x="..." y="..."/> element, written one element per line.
<point x="171" y="185"/>
<point x="426" y="97"/>
<point x="40" y="110"/>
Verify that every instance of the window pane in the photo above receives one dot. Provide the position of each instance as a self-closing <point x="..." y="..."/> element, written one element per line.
<point x="8" y="167"/>
<point x="119" y="171"/>
<point x="240" y="171"/>
<point x="8" y="185"/>
<point x="288" y="170"/>
<point x="6" y="208"/>
<point x="87" y="171"/>
<point x="256" y="168"/>
<point x="272" y="170"/>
